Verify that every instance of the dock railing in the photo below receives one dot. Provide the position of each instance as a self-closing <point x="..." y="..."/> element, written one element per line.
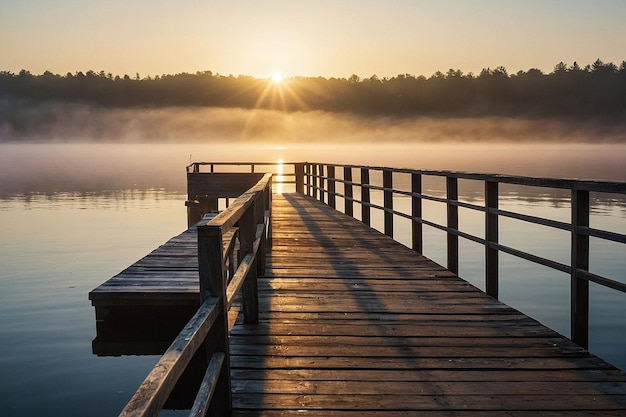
<point x="331" y="182"/>
<point x="357" y="184"/>
<point x="246" y="221"/>
<point x="283" y="173"/>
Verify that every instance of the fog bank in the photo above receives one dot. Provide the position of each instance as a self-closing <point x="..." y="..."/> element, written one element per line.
<point x="52" y="122"/>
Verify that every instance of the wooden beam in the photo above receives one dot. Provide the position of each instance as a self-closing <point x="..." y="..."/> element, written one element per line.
<point x="452" y="195"/>
<point x="491" y="237"/>
<point x="156" y="388"/>
<point x="580" y="261"/>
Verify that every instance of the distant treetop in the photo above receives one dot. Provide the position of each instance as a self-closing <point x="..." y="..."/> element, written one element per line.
<point x="595" y="90"/>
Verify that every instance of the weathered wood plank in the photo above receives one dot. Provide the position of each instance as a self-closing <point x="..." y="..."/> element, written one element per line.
<point x="167" y="275"/>
<point x="381" y="349"/>
<point x="450" y="388"/>
<point x="354" y="324"/>
<point x="414" y="402"/>
<point x="425" y="342"/>
<point x="409" y="413"/>
<point x="555" y="376"/>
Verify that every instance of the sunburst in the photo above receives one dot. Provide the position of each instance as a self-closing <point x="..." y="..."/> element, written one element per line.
<point x="277" y="77"/>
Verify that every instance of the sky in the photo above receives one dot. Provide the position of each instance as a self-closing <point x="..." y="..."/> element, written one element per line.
<point x="335" y="38"/>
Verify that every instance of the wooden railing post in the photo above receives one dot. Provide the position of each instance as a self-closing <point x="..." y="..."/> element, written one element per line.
<point x="194" y="213"/>
<point x="322" y="182"/>
<point x="307" y="178"/>
<point x="299" y="173"/>
<point x="211" y="274"/>
<point x="207" y="205"/>
<point x="365" y="196"/>
<point x="388" y="200"/>
<point x="259" y="216"/>
<point x="331" y="186"/>
<point x="580" y="260"/>
<point x="416" y="213"/>
<point x="247" y="235"/>
<point x="267" y="198"/>
<point x="452" y="195"/>
<point x="314" y="180"/>
<point x="491" y="237"/>
<point x="348" y="207"/>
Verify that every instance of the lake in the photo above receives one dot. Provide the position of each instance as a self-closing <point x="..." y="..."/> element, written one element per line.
<point x="73" y="215"/>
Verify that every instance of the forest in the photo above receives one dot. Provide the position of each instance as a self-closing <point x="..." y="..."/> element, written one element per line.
<point x="597" y="90"/>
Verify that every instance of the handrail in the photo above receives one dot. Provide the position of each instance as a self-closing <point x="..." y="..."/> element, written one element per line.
<point x="246" y="220"/>
<point x="280" y="177"/>
<point x="246" y="224"/>
<point x="320" y="181"/>
<point x="559" y="183"/>
<point x="156" y="388"/>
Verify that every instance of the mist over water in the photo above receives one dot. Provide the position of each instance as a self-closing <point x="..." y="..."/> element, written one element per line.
<point x="48" y="146"/>
<point x="96" y="166"/>
<point x="41" y="121"/>
<point x="84" y="192"/>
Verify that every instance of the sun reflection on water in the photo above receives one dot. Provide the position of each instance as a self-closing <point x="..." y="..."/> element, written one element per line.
<point x="279" y="176"/>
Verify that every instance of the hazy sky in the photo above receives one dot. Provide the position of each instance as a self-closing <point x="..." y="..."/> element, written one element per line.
<point x="310" y="38"/>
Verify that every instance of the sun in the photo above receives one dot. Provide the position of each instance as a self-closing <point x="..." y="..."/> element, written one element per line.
<point x="277" y="77"/>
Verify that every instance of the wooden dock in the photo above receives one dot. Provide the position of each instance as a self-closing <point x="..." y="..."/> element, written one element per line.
<point x="352" y="323"/>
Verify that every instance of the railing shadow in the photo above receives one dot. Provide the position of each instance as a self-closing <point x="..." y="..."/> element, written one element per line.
<point x="321" y="183"/>
<point x="374" y="307"/>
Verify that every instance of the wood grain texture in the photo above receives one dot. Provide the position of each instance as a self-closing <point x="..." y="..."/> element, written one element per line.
<point x="355" y="324"/>
<point x="352" y="323"/>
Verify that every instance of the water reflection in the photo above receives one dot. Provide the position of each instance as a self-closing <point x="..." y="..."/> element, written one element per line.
<point x="280" y="168"/>
<point x="72" y="216"/>
<point x="110" y="199"/>
<point x="54" y="249"/>
<point x="26" y="168"/>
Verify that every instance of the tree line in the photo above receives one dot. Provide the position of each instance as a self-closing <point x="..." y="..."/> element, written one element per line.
<point x="569" y="91"/>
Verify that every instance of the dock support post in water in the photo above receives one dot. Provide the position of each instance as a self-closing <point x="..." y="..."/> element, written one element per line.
<point x="194" y="213"/>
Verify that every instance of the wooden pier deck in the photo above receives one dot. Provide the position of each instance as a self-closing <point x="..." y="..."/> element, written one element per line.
<point x="354" y="324"/>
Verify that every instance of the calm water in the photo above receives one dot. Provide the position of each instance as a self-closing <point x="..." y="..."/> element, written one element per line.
<point x="71" y="216"/>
